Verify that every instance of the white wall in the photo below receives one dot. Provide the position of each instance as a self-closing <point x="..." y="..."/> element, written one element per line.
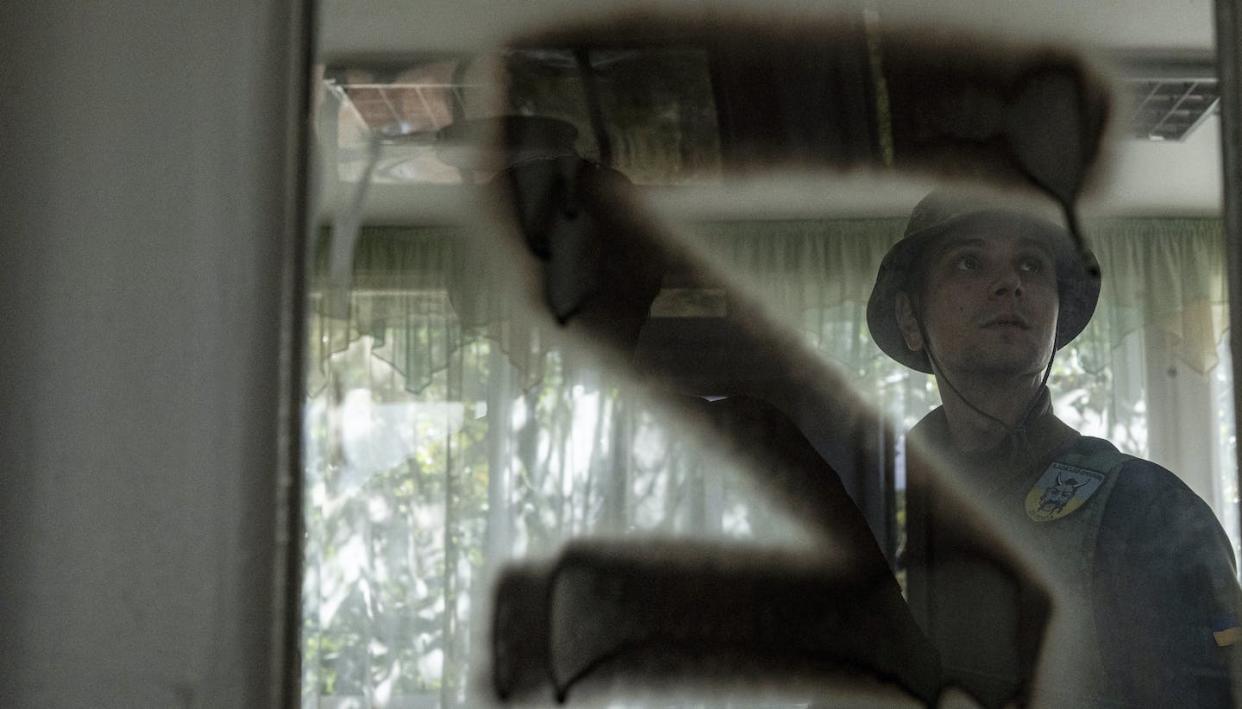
<point x="144" y="186"/>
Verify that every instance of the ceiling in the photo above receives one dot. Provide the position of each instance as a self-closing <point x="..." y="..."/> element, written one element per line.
<point x="352" y="29"/>
<point x="1135" y="177"/>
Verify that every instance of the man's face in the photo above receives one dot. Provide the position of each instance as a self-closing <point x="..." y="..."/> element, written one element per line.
<point x="989" y="300"/>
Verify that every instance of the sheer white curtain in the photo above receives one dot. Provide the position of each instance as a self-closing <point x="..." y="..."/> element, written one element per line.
<point x="445" y="436"/>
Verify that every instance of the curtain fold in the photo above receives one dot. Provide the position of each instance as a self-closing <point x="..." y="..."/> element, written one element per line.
<point x="1165" y="274"/>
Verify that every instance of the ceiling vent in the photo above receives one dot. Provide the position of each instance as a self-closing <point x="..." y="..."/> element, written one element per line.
<point x="1169" y="98"/>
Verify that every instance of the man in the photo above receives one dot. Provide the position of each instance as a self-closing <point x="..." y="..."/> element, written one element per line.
<point x="1142" y="576"/>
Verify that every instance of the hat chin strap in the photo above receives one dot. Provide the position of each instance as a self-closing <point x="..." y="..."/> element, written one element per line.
<point x="1015" y="432"/>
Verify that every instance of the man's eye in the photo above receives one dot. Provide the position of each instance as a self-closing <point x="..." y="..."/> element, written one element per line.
<point x="1031" y="265"/>
<point x="966" y="263"/>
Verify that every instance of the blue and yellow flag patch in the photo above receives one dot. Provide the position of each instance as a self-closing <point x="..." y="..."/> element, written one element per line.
<point x="1061" y="490"/>
<point x="1226" y="631"/>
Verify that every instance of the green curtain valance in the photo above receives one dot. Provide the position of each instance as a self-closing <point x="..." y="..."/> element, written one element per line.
<point x="420" y="292"/>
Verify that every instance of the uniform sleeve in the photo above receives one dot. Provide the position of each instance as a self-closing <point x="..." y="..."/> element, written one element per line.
<point x="1166" y="594"/>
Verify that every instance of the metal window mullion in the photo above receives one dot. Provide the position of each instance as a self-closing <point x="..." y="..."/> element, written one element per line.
<point x="1228" y="34"/>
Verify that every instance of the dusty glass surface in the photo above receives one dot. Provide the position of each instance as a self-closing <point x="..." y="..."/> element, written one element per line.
<point x="611" y="463"/>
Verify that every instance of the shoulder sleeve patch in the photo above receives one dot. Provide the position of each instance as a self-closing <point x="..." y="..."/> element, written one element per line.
<point x="1060" y="490"/>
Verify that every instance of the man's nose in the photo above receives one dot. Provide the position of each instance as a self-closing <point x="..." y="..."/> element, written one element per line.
<point x="1007" y="282"/>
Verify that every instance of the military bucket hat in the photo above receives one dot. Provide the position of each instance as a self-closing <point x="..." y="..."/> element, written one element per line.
<point x="942" y="214"/>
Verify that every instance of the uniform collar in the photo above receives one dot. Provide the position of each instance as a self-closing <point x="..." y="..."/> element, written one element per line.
<point x="1033" y="444"/>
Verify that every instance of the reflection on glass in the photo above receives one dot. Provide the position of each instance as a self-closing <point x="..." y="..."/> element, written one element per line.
<point x="656" y="108"/>
<point x="452" y="429"/>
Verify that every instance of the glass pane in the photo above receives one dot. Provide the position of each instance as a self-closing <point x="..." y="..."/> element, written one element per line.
<point x="598" y="411"/>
